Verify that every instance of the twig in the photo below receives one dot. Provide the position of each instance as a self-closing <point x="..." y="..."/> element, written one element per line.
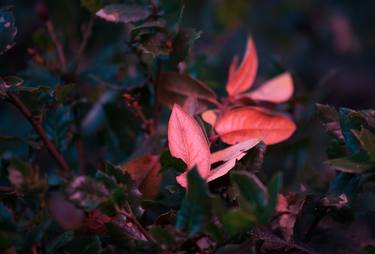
<point x="56" y="41"/>
<point x="82" y="47"/>
<point x="16" y="101"/>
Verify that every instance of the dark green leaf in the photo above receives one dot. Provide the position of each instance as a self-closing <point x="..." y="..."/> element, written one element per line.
<point x="60" y="241"/>
<point x="195" y="210"/>
<point x="236" y="221"/>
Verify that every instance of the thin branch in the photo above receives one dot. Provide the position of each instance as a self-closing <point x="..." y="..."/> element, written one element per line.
<point x="86" y="36"/>
<point x="37" y="125"/>
<point x="58" y="45"/>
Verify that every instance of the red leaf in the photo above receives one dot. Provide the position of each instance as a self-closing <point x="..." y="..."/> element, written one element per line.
<point x="175" y="88"/>
<point x="242" y="78"/>
<point x="254" y="123"/>
<point x="144" y="172"/>
<point x="188" y="142"/>
<point x="276" y="90"/>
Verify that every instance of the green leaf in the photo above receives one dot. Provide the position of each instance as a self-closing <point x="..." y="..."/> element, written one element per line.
<point x="8" y="30"/>
<point x="169" y="162"/>
<point x="274" y="187"/>
<point x="92" y="5"/>
<point x="370" y="249"/>
<point x="8" y="228"/>
<point x="13" y="81"/>
<point x="367" y="140"/>
<point x="123" y="13"/>
<point x="252" y="193"/>
<point x="162" y="236"/>
<point x="60" y="241"/>
<point x="195" y="210"/>
<point x="349" y="166"/>
<point x="237" y="221"/>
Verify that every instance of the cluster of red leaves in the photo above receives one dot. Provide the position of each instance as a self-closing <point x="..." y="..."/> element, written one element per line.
<point x="238" y="120"/>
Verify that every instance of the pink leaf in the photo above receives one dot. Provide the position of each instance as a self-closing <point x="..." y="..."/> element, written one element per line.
<point x="209" y="116"/>
<point x="242" y="78"/>
<point x="234" y="151"/>
<point x="187" y="141"/>
<point x="229" y="156"/>
<point x="276" y="90"/>
<point x="254" y="123"/>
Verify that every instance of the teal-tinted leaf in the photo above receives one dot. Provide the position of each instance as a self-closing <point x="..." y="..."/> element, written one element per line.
<point x="351" y="120"/>
<point x="8" y="30"/>
<point x="57" y="124"/>
<point x="195" y="210"/>
<point x="34" y="236"/>
<point x="123" y="13"/>
<point x="60" y="241"/>
<point x="251" y="191"/>
<point x="345" y="183"/>
<point x="236" y="221"/>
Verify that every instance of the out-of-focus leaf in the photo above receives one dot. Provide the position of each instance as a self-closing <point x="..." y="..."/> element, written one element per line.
<point x="169" y="162"/>
<point x="8" y="228"/>
<point x="123" y="13"/>
<point x="195" y="210"/>
<point x="236" y="221"/>
<point x="92" y="5"/>
<point x="330" y="119"/>
<point x="253" y="194"/>
<point x="144" y="172"/>
<point x="182" y="42"/>
<point x="187" y="142"/>
<point x="60" y="241"/>
<point x="65" y="213"/>
<point x="370" y="249"/>
<point x="277" y="90"/>
<point x="349" y="166"/>
<point x="254" y="123"/>
<point x="8" y="30"/>
<point x="162" y="236"/>
<point x="62" y="92"/>
<point x="174" y="88"/>
<point x="273" y="189"/>
<point x="367" y="140"/>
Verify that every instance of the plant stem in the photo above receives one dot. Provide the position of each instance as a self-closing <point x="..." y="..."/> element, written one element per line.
<point x="37" y="125"/>
<point x="86" y="36"/>
<point x="130" y="216"/>
<point x="58" y="45"/>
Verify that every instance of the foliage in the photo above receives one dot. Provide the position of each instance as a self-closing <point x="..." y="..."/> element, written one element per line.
<point x="115" y="145"/>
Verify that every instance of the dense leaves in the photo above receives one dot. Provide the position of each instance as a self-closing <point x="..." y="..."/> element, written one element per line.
<point x="120" y="135"/>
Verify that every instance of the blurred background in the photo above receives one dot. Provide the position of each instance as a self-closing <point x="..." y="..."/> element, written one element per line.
<point x="329" y="46"/>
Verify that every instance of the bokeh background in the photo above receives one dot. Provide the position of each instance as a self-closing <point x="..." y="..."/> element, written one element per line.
<point x="329" y="46"/>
